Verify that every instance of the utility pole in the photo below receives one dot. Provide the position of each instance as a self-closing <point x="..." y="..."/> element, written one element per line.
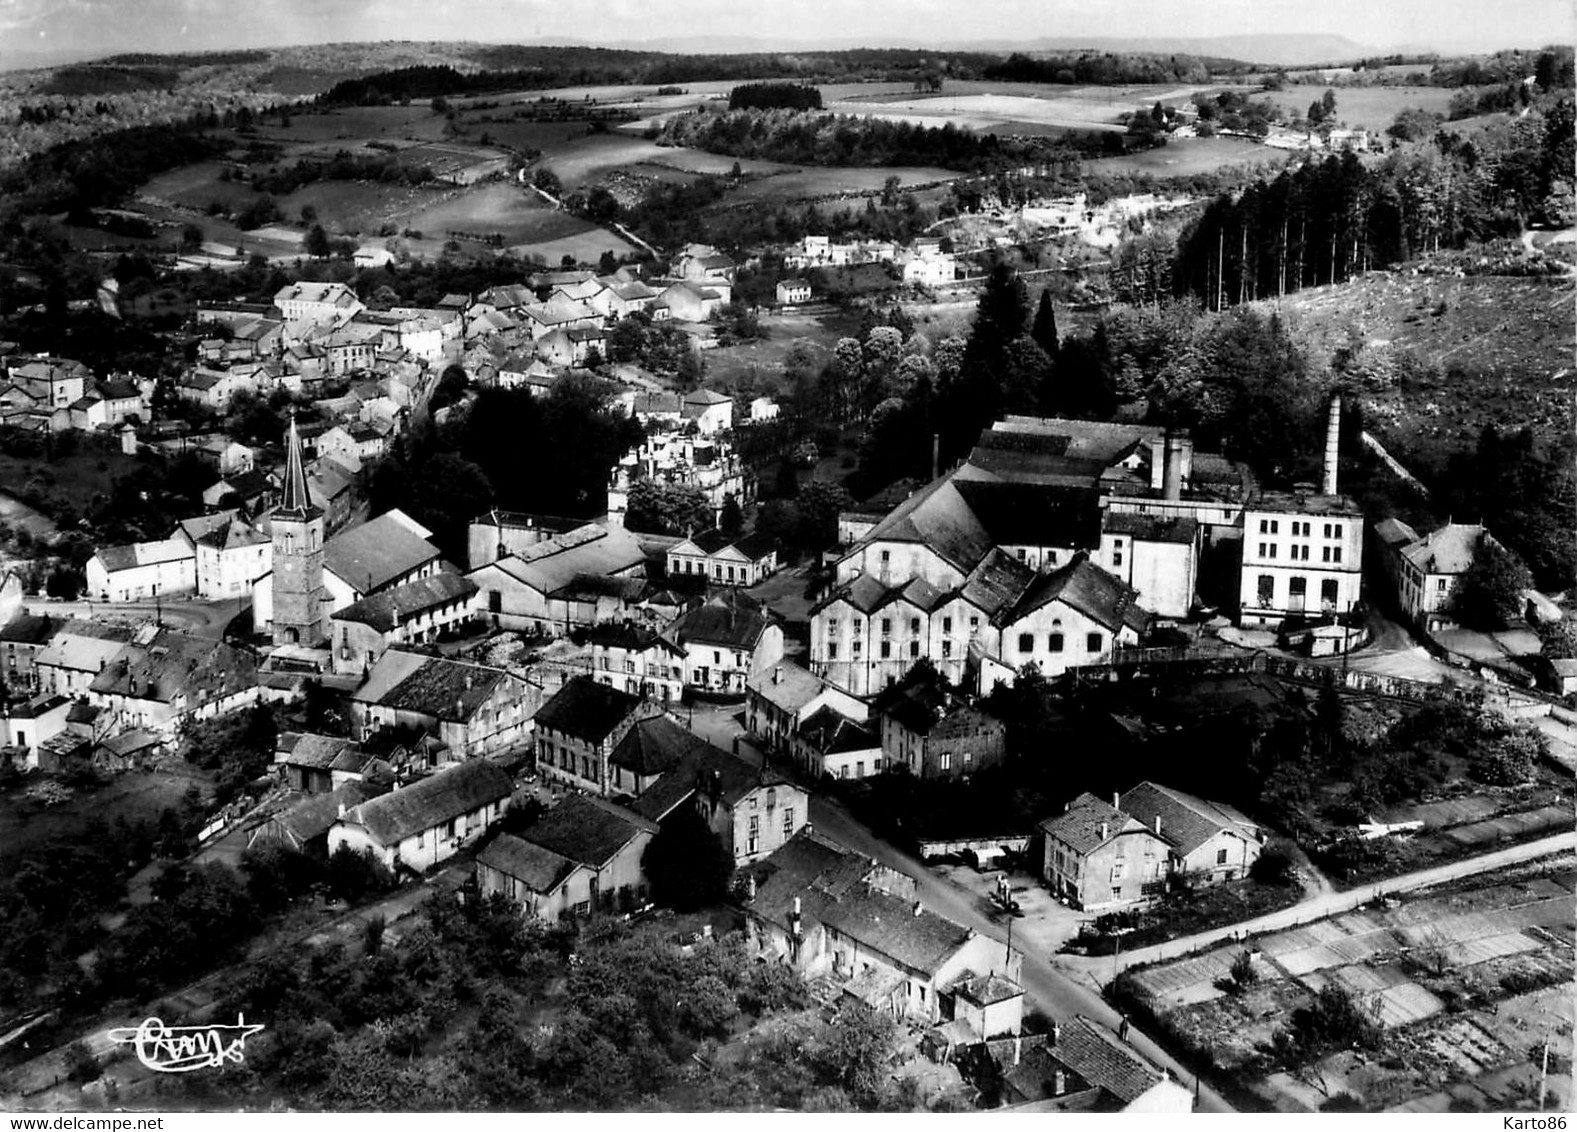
<point x="1221" y="274"/>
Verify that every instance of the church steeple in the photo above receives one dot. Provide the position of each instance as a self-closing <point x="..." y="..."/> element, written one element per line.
<point x="297" y="500"/>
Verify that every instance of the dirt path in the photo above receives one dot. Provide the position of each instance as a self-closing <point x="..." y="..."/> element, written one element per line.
<point x="1319" y="907"/>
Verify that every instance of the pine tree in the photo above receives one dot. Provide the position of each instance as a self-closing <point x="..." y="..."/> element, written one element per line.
<point x="1044" y="331"/>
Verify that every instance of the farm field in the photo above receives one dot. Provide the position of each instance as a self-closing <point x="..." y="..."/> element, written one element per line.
<point x="1369" y="108"/>
<point x="1009" y="106"/>
<point x="520" y="216"/>
<point x="1188" y="157"/>
<point x="356" y="124"/>
<point x="1466" y="980"/>
<point x="807" y="184"/>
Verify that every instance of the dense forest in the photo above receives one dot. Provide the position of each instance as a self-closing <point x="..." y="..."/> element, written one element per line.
<point x="837" y="139"/>
<point x="774" y="96"/>
<point x="1328" y="221"/>
<point x="1106" y="69"/>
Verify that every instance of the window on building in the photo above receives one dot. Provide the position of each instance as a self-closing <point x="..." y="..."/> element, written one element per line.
<point x="832" y="626"/>
<point x="914" y="649"/>
<point x="1117" y="892"/>
<point x="1262" y="553"/>
<point x="947" y="624"/>
<point x="1336" y="554"/>
<point x="914" y="626"/>
<point x="969" y="757"/>
<point x="843" y="771"/>
<point x="947" y="760"/>
<point x="1267" y="589"/>
<point x="788" y="822"/>
<point x="1117" y="558"/>
<point x="887" y="556"/>
<point x="1118" y="869"/>
<point x="859" y="769"/>
<point x="1221" y="856"/>
<point x="974" y="624"/>
<point x="832" y="650"/>
<point x="1264" y="526"/>
<point x="1272" y="549"/>
<point x="1327" y="530"/>
<point x="887" y="626"/>
<point x="1336" y="530"/>
<point x="1440" y="585"/>
<point x="1275" y="526"/>
<point x="1054" y="642"/>
<point x="947" y="649"/>
<point x="1094" y="642"/>
<point x="1021" y="554"/>
<point x="1026" y="642"/>
<point x="1328" y="593"/>
<point x="1325" y="554"/>
<point x="887" y="649"/>
<point x="857" y="647"/>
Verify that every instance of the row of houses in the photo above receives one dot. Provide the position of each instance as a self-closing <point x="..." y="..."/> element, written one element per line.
<point x="52" y="395"/>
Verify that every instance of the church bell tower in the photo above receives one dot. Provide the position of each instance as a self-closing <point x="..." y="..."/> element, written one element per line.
<point x="298" y="556"/>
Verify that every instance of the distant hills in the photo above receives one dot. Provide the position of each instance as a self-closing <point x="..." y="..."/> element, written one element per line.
<point x="1274" y="50"/>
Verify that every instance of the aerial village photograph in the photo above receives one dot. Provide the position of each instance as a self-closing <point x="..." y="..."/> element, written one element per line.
<point x="1016" y="557"/>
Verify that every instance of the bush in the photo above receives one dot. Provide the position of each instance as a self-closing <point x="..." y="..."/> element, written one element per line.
<point x="1272" y="866"/>
<point x="353" y="876"/>
<point x="1244" y="973"/>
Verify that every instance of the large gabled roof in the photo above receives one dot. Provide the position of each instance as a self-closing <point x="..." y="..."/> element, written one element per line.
<point x="586" y="709"/>
<point x="539" y="869"/>
<point x="460" y="789"/>
<point x="1187" y="822"/>
<point x="653" y="746"/>
<point x="1449" y="550"/>
<point x="939" y="517"/>
<point x="586" y="830"/>
<point x="1084" y="586"/>
<point x="729" y="620"/>
<point x="915" y="937"/>
<point x="1024" y="514"/>
<point x="370" y="556"/>
<point x="1085" y="821"/>
<point x="709" y="768"/>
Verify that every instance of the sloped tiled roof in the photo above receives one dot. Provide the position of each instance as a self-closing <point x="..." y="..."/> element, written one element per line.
<point x="319" y="752"/>
<point x="939" y="517"/>
<point x="1021" y="514"/>
<point x="729" y="620"/>
<point x="586" y="830"/>
<point x="1096" y="1054"/>
<point x="1086" y="587"/>
<point x="919" y="940"/>
<point x="468" y="786"/>
<point x="653" y="746"/>
<point x="787" y="686"/>
<point x="446" y="689"/>
<point x="1395" y="533"/>
<point x="1080" y="826"/>
<point x="383" y="610"/>
<point x="539" y="869"/>
<point x="586" y="709"/>
<point x="1449" y="550"/>
<point x="372" y="555"/>
<point x="1187" y="822"/>
<point x="703" y="766"/>
<point x="829" y="732"/>
<point x="1152" y="528"/>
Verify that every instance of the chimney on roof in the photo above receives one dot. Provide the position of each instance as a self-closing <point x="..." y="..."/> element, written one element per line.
<point x="1059" y="1083"/>
<point x="1158" y="825"/>
<point x="1018" y="1048"/>
<point x="777" y="674"/>
<point x="918" y="907"/>
<point x="342" y="811"/>
<point x="1056" y="1033"/>
<point x="794" y="920"/>
<point x="1333" y="430"/>
<point x="1106" y="831"/>
<point x="1116" y="800"/>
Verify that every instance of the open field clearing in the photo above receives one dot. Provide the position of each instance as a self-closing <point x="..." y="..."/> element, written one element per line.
<point x="1466" y="981"/>
<point x="521" y="217"/>
<point x="356" y="124"/>
<point x="1369" y="108"/>
<point x="1005" y="107"/>
<point x="1188" y="157"/>
<point x="586" y="246"/>
<point x="1503" y="345"/>
<point x="135" y="796"/>
<point x="808" y="184"/>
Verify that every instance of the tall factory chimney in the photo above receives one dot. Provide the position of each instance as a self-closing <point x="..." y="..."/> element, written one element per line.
<point x="1332" y="445"/>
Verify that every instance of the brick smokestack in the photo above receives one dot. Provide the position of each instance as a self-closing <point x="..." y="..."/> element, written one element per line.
<point x="1332" y="445"/>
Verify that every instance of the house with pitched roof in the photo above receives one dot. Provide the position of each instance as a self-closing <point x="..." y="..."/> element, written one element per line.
<point x="577" y="730"/>
<point x="724" y="560"/>
<point x="303" y="823"/>
<point x="1098" y="857"/>
<point x="142" y="571"/>
<point x="1082" y="1066"/>
<point x="230" y="553"/>
<point x="421" y="825"/>
<point x="472" y="709"/>
<point x="712" y="412"/>
<point x="636" y="659"/>
<point x="752" y="810"/>
<point x="76" y="653"/>
<point x="162" y="678"/>
<point x="22" y="638"/>
<point x="317" y="302"/>
<point x="727" y="639"/>
<point x="780" y="699"/>
<point x="1157" y="555"/>
<point x="933" y="733"/>
<point x="410" y="614"/>
<point x="831" y="913"/>
<point x="830" y="744"/>
<point x="581" y="578"/>
<point x="1208" y="841"/>
<point x="1075" y="616"/>
<point x="582" y="856"/>
<point x="1425" y="569"/>
<point x="317" y="764"/>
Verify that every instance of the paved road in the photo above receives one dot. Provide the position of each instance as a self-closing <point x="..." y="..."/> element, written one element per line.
<point x="203" y="618"/>
<point x="1318" y="907"/>
<point x="1054" y="992"/>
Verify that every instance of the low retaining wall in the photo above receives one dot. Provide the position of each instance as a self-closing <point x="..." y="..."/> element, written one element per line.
<point x="1013" y="843"/>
